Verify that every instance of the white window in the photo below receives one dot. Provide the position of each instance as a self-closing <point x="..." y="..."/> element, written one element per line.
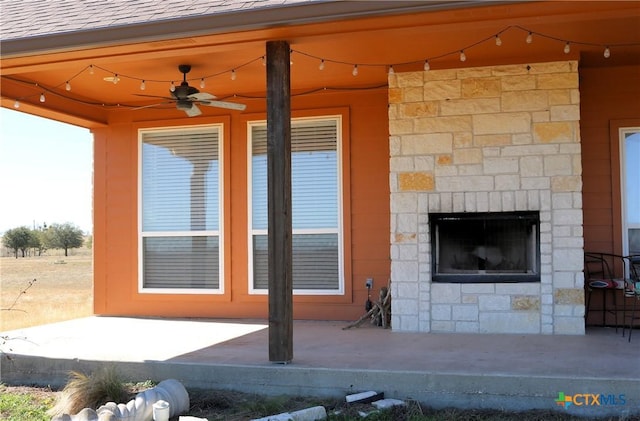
<point x="630" y="182"/>
<point x="316" y="206"/>
<point x="180" y="210"/>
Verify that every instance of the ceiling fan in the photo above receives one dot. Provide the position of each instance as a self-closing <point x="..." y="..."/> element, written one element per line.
<point x="187" y="98"/>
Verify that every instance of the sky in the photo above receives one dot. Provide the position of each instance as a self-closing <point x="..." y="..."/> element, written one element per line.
<point x="46" y="172"/>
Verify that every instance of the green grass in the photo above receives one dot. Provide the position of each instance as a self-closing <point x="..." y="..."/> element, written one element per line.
<point x="20" y="407"/>
<point x="24" y="403"/>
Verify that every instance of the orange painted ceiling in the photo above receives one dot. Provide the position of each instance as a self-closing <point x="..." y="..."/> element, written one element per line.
<point x="373" y="44"/>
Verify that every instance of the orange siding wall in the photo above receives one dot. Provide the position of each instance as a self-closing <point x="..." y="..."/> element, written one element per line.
<point x="366" y="216"/>
<point x="609" y="98"/>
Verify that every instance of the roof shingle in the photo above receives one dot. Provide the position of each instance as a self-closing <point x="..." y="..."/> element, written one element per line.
<point x="34" y="18"/>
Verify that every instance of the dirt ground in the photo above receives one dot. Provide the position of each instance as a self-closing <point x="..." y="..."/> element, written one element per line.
<point x="63" y="288"/>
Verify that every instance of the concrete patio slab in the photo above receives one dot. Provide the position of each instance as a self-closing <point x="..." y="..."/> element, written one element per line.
<point x="513" y="372"/>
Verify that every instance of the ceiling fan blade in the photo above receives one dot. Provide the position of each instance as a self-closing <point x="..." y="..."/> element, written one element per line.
<point x="155" y="96"/>
<point x="193" y="111"/>
<point x="152" y="105"/>
<point x="224" y="104"/>
<point x="202" y="96"/>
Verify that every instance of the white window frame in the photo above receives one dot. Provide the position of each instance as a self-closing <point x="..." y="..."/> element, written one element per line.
<point x="340" y="229"/>
<point x="219" y="232"/>
<point x="624" y="189"/>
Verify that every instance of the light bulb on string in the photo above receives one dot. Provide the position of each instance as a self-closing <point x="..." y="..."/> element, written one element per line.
<point x="498" y="40"/>
<point x="116" y="79"/>
<point x="391" y="71"/>
<point x="463" y="56"/>
<point x="264" y="60"/>
<point x="172" y="87"/>
<point x="16" y="104"/>
<point x="355" y="70"/>
<point x="233" y="74"/>
<point x="67" y="86"/>
<point x="607" y="52"/>
<point x="321" y="66"/>
<point x="529" y="39"/>
<point x="42" y="98"/>
<point x="202" y="84"/>
<point x="143" y="86"/>
<point x="567" y="48"/>
<point x="91" y="71"/>
<point x="427" y="66"/>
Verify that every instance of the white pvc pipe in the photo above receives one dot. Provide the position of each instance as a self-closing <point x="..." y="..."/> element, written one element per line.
<point x="171" y="392"/>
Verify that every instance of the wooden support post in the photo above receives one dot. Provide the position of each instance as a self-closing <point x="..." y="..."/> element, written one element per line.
<point x="279" y="202"/>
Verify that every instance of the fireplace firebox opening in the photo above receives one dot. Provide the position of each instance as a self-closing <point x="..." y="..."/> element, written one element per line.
<point x="485" y="247"/>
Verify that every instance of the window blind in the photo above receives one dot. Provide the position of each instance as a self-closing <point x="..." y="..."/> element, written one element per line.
<point x="180" y="208"/>
<point x="315" y="205"/>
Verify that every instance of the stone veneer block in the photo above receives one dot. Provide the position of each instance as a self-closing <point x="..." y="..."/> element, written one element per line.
<point x="416" y="181"/>
<point x="470" y="106"/>
<point x="427" y="144"/>
<point x="558" y="80"/>
<point x="404" y="80"/>
<point x="549" y="132"/>
<point x="437" y="90"/>
<point x="501" y="123"/>
<point x="447" y="124"/>
<point x="485" y="87"/>
<point x="525" y="101"/>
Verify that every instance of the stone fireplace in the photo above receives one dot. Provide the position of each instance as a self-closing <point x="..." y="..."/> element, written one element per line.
<point x="484" y="161"/>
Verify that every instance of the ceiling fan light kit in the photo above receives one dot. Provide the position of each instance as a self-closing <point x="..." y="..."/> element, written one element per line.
<point x="187" y="98"/>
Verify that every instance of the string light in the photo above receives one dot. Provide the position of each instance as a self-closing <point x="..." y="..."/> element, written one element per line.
<point x="606" y="52"/>
<point x="16" y="104"/>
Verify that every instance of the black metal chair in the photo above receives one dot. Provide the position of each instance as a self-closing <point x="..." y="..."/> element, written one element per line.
<point x="601" y="273"/>
<point x="632" y="289"/>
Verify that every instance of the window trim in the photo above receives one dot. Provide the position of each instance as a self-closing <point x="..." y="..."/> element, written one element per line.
<point x="221" y="206"/>
<point x="340" y="291"/>
<point x="624" y="189"/>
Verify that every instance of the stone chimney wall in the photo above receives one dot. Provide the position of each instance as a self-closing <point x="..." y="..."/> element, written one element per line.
<point x="487" y="139"/>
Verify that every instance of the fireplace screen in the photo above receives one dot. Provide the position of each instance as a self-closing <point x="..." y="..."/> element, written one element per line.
<point x="485" y="247"/>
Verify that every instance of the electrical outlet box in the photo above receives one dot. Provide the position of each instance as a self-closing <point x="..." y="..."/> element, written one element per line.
<point x="369" y="283"/>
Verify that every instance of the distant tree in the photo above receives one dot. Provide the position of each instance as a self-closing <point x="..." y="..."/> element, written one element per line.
<point x="20" y="238"/>
<point x="38" y="241"/>
<point x="63" y="236"/>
